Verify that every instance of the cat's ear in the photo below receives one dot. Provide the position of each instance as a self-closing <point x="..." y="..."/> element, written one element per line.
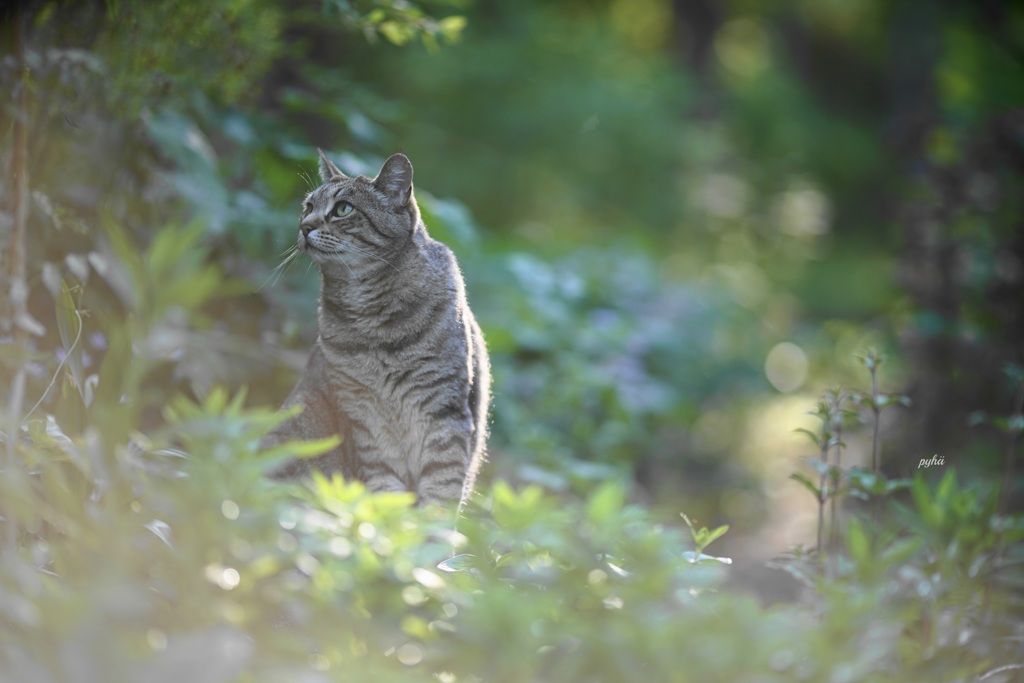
<point x="328" y="170"/>
<point x="395" y="179"/>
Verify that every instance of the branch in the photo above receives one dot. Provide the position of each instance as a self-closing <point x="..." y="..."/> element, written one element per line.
<point x="17" y="294"/>
<point x="1001" y="669"/>
<point x="18" y="173"/>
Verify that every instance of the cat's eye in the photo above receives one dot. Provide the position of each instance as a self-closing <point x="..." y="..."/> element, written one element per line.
<point x="342" y="209"/>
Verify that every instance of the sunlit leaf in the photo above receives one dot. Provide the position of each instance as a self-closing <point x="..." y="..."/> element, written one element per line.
<point x="605" y="502"/>
<point x="715" y="534"/>
<point x="807" y="483"/>
<point x="305" y="449"/>
<point x="69" y="325"/>
<point x="161" y="530"/>
<point x="458" y="563"/>
<point x="697" y="558"/>
<point x="809" y="434"/>
<point x="857" y="542"/>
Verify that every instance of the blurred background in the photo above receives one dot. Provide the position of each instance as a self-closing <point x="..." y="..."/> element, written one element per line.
<point x="679" y="221"/>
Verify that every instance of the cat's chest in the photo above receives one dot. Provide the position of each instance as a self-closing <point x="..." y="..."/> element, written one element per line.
<point x="387" y="418"/>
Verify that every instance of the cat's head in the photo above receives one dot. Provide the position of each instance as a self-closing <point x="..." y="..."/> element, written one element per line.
<point x="356" y="223"/>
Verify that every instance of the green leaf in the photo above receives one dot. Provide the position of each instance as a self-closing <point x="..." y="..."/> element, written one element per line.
<point x="463" y="562"/>
<point x="451" y="27"/>
<point x="900" y="552"/>
<point x="697" y="558"/>
<point x="866" y="481"/>
<point x="120" y="370"/>
<point x="897" y="485"/>
<point x="811" y="435"/>
<point x="215" y="401"/>
<point x="305" y="449"/>
<point x="857" y="542"/>
<point x="605" y="502"/>
<point x="928" y="509"/>
<point x="396" y="33"/>
<point x="1013" y="424"/>
<point x="818" y="465"/>
<point x="807" y="483"/>
<point x="947" y="488"/>
<point x="504" y="494"/>
<point x="530" y="496"/>
<point x="237" y="403"/>
<point x="886" y="400"/>
<point x="69" y="325"/>
<point x="167" y="251"/>
<point x="715" y="534"/>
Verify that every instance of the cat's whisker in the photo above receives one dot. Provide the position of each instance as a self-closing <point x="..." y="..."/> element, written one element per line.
<point x="341" y="257"/>
<point x="287" y="263"/>
<point x="289" y="255"/>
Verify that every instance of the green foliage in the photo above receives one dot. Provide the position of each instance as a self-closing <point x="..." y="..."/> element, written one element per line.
<point x="151" y="553"/>
<point x="399" y="21"/>
<point x="143" y="561"/>
<point x="176" y="48"/>
<point x="599" y="359"/>
<point x="589" y="147"/>
<point x="702" y="539"/>
<point x="635" y="234"/>
<point x="939" y="567"/>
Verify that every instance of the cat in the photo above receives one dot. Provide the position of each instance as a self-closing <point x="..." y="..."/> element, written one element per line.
<point x="399" y="370"/>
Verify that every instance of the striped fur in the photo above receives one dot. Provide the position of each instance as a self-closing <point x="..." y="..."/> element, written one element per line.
<point x="399" y="369"/>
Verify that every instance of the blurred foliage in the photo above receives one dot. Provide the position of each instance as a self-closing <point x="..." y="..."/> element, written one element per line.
<point x="676" y="220"/>
<point x="649" y="233"/>
<point x="170" y="555"/>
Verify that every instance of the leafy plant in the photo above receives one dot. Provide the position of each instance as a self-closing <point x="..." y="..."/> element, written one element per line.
<point x="834" y="481"/>
<point x="140" y="537"/>
<point x="876" y="401"/>
<point x="399" y="22"/>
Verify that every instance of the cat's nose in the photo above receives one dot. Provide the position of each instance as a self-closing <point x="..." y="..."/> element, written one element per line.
<point x="306" y="227"/>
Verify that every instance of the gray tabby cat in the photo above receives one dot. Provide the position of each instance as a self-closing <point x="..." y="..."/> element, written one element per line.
<point x="399" y="369"/>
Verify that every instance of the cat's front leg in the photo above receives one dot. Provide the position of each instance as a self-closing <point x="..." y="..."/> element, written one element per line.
<point x="379" y="477"/>
<point x="317" y="420"/>
<point x="444" y="464"/>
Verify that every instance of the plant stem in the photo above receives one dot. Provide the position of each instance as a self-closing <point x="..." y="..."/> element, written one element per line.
<point x="16" y="398"/>
<point x="17" y="293"/>
<point x="875" y="455"/>
<point x="1004" y="493"/>
<point x="834" y="540"/>
<point x="822" y="497"/>
<point x="1011" y="449"/>
<point x="875" y="460"/>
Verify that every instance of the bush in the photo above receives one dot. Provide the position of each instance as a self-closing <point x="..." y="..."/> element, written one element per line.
<point x="138" y="548"/>
<point x="139" y="538"/>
